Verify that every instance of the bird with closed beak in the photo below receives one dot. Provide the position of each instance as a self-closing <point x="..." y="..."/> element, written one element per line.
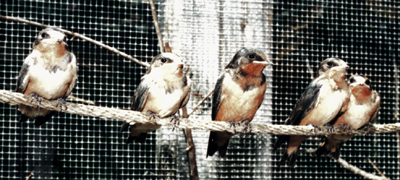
<point x="163" y="90"/>
<point x="362" y="109"/>
<point x="238" y="94"/>
<point x="325" y="98"/>
<point x="49" y="72"/>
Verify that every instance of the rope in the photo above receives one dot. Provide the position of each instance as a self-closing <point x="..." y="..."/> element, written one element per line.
<point x="132" y="117"/>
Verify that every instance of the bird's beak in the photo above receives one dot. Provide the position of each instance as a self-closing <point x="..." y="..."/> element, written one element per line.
<point x="60" y="41"/>
<point x="263" y="62"/>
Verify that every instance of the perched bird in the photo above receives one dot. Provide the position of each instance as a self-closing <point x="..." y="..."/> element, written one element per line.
<point x="362" y="109"/>
<point x="320" y="103"/>
<point x="238" y="94"/>
<point x="48" y="72"/>
<point x="163" y="90"/>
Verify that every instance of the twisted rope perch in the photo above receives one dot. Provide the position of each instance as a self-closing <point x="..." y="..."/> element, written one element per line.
<point x="132" y="117"/>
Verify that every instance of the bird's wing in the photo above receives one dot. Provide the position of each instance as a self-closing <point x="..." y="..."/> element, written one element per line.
<point x="305" y="104"/>
<point x="217" y="97"/>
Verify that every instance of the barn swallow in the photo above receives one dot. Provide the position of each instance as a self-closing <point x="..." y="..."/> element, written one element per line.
<point x="49" y="72"/>
<point x="163" y="90"/>
<point x="362" y="109"/>
<point x="320" y="103"/>
<point x="238" y="94"/>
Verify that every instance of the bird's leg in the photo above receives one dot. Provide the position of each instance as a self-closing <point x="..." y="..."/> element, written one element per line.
<point x="153" y="116"/>
<point x="37" y="98"/>
<point x="175" y="119"/>
<point x="367" y="128"/>
<point x="247" y="126"/>
<point x="345" y="127"/>
<point x="61" y="102"/>
<point x="314" y="126"/>
<point x="330" y="128"/>
<point x="232" y="123"/>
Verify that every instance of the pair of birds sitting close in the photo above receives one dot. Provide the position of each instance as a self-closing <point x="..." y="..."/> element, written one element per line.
<point x="50" y="71"/>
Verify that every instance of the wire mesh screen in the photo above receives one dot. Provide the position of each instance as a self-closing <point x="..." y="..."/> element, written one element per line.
<point x="296" y="35"/>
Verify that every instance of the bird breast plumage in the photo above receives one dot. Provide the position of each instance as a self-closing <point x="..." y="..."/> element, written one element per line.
<point x="49" y="84"/>
<point x="242" y="105"/>
<point x="163" y="102"/>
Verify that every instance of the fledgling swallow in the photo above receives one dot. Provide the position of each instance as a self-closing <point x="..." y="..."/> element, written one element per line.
<point x="238" y="94"/>
<point x="163" y="90"/>
<point x="320" y="103"/>
<point x="362" y="109"/>
<point x="49" y="72"/>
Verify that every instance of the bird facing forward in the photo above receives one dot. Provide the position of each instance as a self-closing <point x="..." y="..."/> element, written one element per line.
<point x="362" y="109"/>
<point x="163" y="90"/>
<point x="320" y="103"/>
<point x="49" y="72"/>
<point x="238" y="94"/>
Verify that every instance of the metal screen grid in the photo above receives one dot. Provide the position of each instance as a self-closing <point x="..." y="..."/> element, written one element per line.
<point x="299" y="35"/>
<point x="363" y="34"/>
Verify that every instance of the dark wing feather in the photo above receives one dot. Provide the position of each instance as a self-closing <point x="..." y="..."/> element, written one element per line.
<point x="21" y="87"/>
<point x="140" y="97"/>
<point x="216" y="97"/>
<point x="305" y="104"/>
<point x="187" y="96"/>
<point x="138" y="100"/>
<point x="70" y="57"/>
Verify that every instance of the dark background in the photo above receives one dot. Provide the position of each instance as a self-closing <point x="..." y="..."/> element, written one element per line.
<point x="363" y="33"/>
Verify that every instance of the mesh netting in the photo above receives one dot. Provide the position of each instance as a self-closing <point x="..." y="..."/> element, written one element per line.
<point x="296" y="35"/>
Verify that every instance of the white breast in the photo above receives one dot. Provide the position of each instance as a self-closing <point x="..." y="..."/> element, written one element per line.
<point x="357" y="114"/>
<point x="50" y="85"/>
<point x="330" y="103"/>
<point x="163" y="103"/>
<point x="237" y="104"/>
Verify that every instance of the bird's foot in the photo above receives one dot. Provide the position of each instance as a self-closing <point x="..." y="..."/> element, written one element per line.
<point x="61" y="102"/>
<point x="315" y="127"/>
<point x="176" y="121"/>
<point x="37" y="98"/>
<point x="153" y="116"/>
<point x="346" y="127"/>
<point x="233" y="124"/>
<point x="329" y="128"/>
<point x="367" y="128"/>
<point x="247" y="126"/>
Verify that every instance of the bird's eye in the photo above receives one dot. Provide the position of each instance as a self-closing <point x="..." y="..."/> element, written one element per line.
<point x="368" y="82"/>
<point x="251" y="56"/>
<point x="45" y="36"/>
<point x="163" y="60"/>
<point x="330" y="64"/>
<point x="352" y="80"/>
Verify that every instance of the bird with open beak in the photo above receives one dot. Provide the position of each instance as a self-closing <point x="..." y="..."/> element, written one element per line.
<point x="163" y="90"/>
<point x="238" y="94"/>
<point x="49" y="72"/>
<point x="362" y="109"/>
<point x="320" y="103"/>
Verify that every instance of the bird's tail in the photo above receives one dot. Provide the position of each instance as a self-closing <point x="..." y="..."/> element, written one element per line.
<point x="289" y="158"/>
<point x="23" y="118"/>
<point x="324" y="149"/>
<point x="140" y="138"/>
<point x="42" y="119"/>
<point x="321" y="150"/>
<point x="279" y="141"/>
<point x="213" y="147"/>
<point x="124" y="127"/>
